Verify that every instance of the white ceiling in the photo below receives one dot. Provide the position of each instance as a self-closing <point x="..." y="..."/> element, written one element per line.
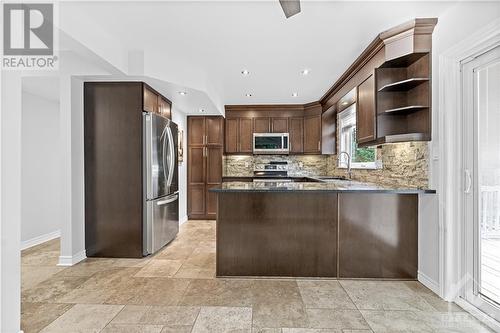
<point x="205" y="45"/>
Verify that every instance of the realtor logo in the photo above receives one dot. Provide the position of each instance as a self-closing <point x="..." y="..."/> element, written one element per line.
<point x="28" y="36"/>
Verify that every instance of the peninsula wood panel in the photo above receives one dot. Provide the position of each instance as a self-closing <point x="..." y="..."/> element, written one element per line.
<point x="113" y="169"/>
<point x="378" y="243"/>
<point x="277" y="234"/>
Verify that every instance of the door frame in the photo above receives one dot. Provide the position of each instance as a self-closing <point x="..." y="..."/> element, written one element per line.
<point x="470" y="222"/>
<point x="450" y="172"/>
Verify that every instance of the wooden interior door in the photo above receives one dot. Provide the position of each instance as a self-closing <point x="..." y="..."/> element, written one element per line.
<point x="297" y="135"/>
<point x="366" y="112"/>
<point x="262" y="125"/>
<point x="312" y="134"/>
<point x="279" y="125"/>
<point x="214" y="131"/>
<point x="245" y="135"/>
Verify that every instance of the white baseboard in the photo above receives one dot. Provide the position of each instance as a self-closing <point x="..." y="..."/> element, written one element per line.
<point x="72" y="260"/>
<point x="183" y="219"/>
<point x="40" y="239"/>
<point x="428" y="282"/>
<point x="478" y="314"/>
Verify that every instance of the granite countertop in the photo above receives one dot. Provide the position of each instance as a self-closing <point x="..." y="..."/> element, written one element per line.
<point x="316" y="185"/>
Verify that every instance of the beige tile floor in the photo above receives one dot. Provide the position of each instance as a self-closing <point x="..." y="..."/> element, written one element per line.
<point x="176" y="291"/>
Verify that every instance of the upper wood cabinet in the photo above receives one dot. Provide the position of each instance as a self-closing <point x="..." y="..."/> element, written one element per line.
<point x="312" y="134"/>
<point x="196" y="131"/>
<point x="231" y="140"/>
<point x="279" y="125"/>
<point x="214" y="131"/>
<point x="366" y="111"/>
<point x="262" y="125"/>
<point x="239" y="135"/>
<point x="245" y="135"/>
<point x="164" y="107"/>
<point x="296" y="132"/>
<point x="150" y="102"/>
<point x="155" y="103"/>
<point x="329" y="131"/>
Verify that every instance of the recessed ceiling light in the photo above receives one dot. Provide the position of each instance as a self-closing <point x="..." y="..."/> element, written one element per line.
<point x="345" y="103"/>
<point x="248" y="95"/>
<point x="295" y="94"/>
<point x="183" y="93"/>
<point x="304" y="72"/>
<point x="201" y="110"/>
<point x="245" y="72"/>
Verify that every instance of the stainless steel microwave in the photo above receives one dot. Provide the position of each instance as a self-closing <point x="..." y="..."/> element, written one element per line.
<point x="270" y="143"/>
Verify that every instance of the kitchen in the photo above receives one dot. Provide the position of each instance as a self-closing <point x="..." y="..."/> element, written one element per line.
<point x="301" y="192"/>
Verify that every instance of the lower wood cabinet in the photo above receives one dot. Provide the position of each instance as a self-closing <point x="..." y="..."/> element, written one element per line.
<point x="205" y="151"/>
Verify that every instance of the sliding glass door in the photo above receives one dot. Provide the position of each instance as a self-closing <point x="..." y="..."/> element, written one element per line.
<point x="481" y="93"/>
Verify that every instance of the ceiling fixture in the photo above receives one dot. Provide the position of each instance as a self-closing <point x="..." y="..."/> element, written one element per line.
<point x="201" y="110"/>
<point x="248" y="95"/>
<point x="182" y="93"/>
<point x="245" y="72"/>
<point x="295" y="94"/>
<point x="345" y="102"/>
<point x="290" y="7"/>
<point x="304" y="72"/>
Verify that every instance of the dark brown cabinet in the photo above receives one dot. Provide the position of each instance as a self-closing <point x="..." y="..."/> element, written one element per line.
<point x="150" y="100"/>
<point x="366" y="111"/>
<point x="164" y="107"/>
<point x="113" y="165"/>
<point x="312" y="134"/>
<point x="231" y="139"/>
<point x="239" y="135"/>
<point x="261" y="125"/>
<point x="279" y="125"/>
<point x="205" y="147"/>
<point x="296" y="135"/>
<point x="245" y="135"/>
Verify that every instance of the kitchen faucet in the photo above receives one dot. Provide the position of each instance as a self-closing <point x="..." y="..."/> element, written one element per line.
<point x="349" y="174"/>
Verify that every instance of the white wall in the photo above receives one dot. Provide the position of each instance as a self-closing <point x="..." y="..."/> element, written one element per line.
<point x="40" y="189"/>
<point x="180" y="119"/>
<point x="454" y="25"/>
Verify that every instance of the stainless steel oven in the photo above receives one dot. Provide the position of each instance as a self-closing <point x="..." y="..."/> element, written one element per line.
<point x="270" y="143"/>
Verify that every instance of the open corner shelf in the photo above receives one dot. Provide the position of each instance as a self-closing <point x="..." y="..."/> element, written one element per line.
<point x="406" y="109"/>
<point x="404" y="85"/>
<point x="403" y="61"/>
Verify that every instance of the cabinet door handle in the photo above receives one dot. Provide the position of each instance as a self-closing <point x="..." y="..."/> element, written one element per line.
<point x="319" y="145"/>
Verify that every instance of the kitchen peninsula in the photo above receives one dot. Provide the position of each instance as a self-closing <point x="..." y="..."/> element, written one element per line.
<point x="341" y="228"/>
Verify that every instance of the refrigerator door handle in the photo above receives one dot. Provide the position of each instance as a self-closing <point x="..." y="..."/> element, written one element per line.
<point x="171" y="157"/>
<point x="168" y="200"/>
<point x="164" y="154"/>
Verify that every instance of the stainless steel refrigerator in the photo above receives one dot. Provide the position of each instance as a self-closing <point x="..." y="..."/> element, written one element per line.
<point x="161" y="184"/>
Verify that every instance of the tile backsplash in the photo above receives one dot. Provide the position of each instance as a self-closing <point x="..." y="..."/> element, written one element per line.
<point x="403" y="164"/>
